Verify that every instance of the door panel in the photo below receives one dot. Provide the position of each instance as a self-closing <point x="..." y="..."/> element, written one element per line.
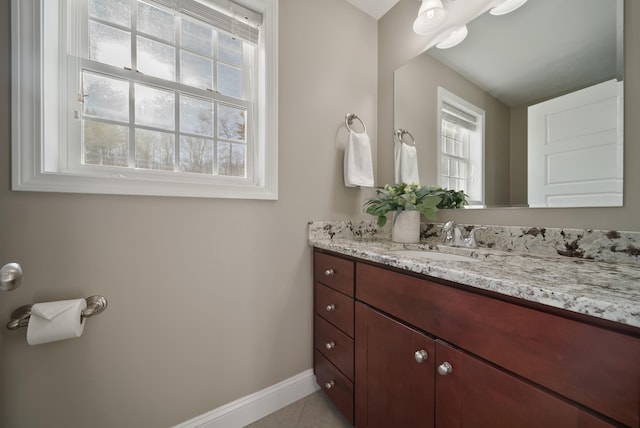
<point x="575" y="148"/>
<point x="478" y="395"/>
<point x="392" y="388"/>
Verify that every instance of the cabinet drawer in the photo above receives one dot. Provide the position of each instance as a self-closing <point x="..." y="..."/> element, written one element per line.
<point x="590" y="365"/>
<point x="335" y="307"/>
<point x="335" y="385"/>
<point x="335" y="272"/>
<point x="335" y="345"/>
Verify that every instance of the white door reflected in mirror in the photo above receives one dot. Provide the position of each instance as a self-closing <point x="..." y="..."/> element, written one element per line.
<point x="575" y="148"/>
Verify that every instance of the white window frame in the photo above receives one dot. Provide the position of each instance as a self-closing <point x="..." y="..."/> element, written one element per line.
<point x="30" y="109"/>
<point x="475" y="175"/>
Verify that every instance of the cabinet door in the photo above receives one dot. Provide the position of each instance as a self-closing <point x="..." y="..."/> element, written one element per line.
<point x="471" y="393"/>
<point x="395" y="373"/>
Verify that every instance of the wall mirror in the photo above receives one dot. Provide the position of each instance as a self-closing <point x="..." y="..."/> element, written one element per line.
<point x="531" y="74"/>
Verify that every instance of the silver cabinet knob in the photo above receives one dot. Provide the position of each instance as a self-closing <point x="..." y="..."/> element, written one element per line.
<point x="330" y="384"/>
<point x="444" y="369"/>
<point x="10" y="276"/>
<point x="421" y="356"/>
<point x="331" y="307"/>
<point x="330" y="345"/>
<point x="329" y="272"/>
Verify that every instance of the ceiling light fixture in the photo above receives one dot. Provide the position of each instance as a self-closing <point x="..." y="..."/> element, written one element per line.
<point x="430" y="16"/>
<point x="507" y="6"/>
<point x="454" y="38"/>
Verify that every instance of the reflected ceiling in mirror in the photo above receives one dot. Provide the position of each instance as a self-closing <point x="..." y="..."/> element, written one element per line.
<point x="545" y="49"/>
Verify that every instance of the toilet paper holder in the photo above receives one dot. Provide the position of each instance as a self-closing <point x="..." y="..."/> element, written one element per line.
<point x="20" y="317"/>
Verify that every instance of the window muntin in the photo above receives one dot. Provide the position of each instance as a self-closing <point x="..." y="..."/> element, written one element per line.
<point x="461" y="146"/>
<point x="119" y="70"/>
<point x="454" y="158"/>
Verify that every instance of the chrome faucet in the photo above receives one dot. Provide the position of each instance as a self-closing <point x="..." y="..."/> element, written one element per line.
<point x="454" y="236"/>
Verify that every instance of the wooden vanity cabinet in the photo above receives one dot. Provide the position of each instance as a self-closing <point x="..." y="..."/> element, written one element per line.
<point x="334" y="329"/>
<point x="397" y="385"/>
<point x="506" y="365"/>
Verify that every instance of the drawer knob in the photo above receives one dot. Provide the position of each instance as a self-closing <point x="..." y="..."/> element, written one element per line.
<point x="421" y="356"/>
<point x="329" y="272"/>
<point x="330" y="384"/>
<point x="444" y="369"/>
<point x="331" y="307"/>
<point x="330" y="345"/>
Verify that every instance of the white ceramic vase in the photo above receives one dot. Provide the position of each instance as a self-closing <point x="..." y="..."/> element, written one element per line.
<point x="406" y="227"/>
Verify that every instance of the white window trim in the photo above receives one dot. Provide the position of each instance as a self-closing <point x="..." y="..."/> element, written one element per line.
<point x="461" y="103"/>
<point x="27" y="143"/>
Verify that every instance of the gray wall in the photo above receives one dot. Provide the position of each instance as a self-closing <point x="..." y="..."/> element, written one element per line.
<point x="398" y="44"/>
<point x="209" y="300"/>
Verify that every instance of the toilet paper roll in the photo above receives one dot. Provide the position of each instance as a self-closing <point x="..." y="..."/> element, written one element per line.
<point x="53" y="321"/>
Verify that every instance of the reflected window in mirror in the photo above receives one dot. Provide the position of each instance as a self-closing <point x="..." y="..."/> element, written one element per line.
<point x="461" y="148"/>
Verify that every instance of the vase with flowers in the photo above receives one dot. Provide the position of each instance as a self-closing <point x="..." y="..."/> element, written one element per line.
<point x="407" y="201"/>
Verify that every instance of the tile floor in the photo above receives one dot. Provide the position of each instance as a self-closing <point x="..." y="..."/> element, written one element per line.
<point x="313" y="411"/>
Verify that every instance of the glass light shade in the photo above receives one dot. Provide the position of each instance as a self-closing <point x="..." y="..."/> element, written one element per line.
<point x="455" y="38"/>
<point x="430" y="16"/>
<point x="507" y="6"/>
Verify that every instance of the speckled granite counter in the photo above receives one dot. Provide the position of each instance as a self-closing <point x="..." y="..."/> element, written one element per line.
<point x="605" y="290"/>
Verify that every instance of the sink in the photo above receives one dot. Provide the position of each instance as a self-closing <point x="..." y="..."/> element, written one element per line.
<point x="434" y="255"/>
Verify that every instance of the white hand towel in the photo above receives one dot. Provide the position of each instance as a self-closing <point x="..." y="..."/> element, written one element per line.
<point x="406" y="163"/>
<point x="358" y="164"/>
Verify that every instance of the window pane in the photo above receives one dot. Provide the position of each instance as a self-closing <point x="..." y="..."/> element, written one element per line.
<point x="156" y="59"/>
<point x="196" y="71"/>
<point x="196" y="155"/>
<point x="231" y="159"/>
<point x="229" y="81"/>
<point x="444" y="165"/>
<point x="105" y="97"/>
<point x="116" y="11"/>
<point x="229" y="49"/>
<point x="109" y="45"/>
<point x="105" y="144"/>
<point x="155" y="107"/>
<point x="197" y="37"/>
<point x="155" y="150"/>
<point x="231" y="123"/>
<point x="155" y="22"/>
<point x="450" y="146"/>
<point x="196" y="116"/>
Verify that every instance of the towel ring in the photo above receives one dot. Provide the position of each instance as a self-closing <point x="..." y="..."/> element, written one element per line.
<point x="348" y="120"/>
<point x="400" y="133"/>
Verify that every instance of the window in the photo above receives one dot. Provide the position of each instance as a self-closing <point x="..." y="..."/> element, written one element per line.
<point x="461" y="147"/>
<point x="150" y="97"/>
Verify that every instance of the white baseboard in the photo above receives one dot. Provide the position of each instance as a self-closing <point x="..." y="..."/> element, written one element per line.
<point x="253" y="407"/>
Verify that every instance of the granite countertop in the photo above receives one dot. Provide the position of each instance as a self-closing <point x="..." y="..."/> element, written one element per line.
<point x="609" y="291"/>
